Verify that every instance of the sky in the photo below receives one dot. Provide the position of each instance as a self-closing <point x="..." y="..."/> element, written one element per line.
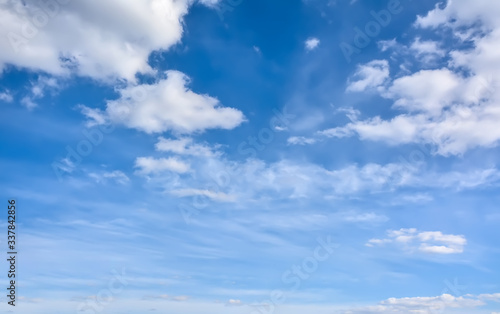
<point x="251" y="156"/>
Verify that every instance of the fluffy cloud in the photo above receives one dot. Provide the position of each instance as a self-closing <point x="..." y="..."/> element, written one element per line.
<point x="185" y="146"/>
<point x="38" y="90"/>
<point x="427" y="50"/>
<point x="167" y="105"/>
<point x="421" y="305"/>
<point x="444" y="107"/>
<point x="91" y="38"/>
<point x="116" y="175"/>
<point x="6" y="96"/>
<point x="433" y="242"/>
<point x="370" y="75"/>
<point x="210" y="3"/>
<point x="149" y="165"/>
<point x="300" y="140"/>
<point x="462" y="12"/>
<point x="311" y="43"/>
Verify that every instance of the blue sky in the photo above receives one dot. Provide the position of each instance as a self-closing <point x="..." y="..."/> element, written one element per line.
<point x="236" y="156"/>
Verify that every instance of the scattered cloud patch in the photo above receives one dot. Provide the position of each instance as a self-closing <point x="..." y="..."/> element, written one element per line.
<point x="312" y="43"/>
<point x="116" y="176"/>
<point x="6" y="96"/>
<point x="369" y="76"/>
<point x="90" y="39"/>
<point x="216" y="196"/>
<point x="300" y="140"/>
<point x="149" y="165"/>
<point x="184" y="146"/>
<point x="421" y="305"/>
<point x="167" y="105"/>
<point x="433" y="242"/>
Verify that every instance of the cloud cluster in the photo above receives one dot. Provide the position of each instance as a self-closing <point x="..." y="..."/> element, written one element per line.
<point x="205" y="171"/>
<point x="455" y="108"/>
<point x="167" y="105"/>
<point x="426" y="305"/>
<point x="311" y="43"/>
<point x="101" y="40"/>
<point x="368" y="76"/>
<point x="434" y="242"/>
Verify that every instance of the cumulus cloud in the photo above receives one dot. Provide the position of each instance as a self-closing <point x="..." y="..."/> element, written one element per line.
<point x="149" y="165"/>
<point x="28" y="103"/>
<point x="167" y="105"/>
<point x="38" y="89"/>
<point x="210" y="3"/>
<point x="311" y="43"/>
<point x="185" y="146"/>
<point x="453" y="111"/>
<point x="110" y="40"/>
<point x="428" y="50"/>
<point x="368" y="76"/>
<point x="300" y="140"/>
<point x="116" y="175"/>
<point x="434" y="242"/>
<point x="421" y="305"/>
<point x="6" y="96"/>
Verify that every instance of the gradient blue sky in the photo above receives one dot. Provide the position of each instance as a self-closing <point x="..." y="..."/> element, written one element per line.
<point x="181" y="156"/>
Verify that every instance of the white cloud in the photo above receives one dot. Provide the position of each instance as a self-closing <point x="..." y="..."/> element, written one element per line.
<point x="216" y="196"/>
<point x="168" y="297"/>
<point x="427" y="242"/>
<point x="42" y="84"/>
<point x="167" y="105"/>
<point x="364" y="217"/>
<point x="116" y="175"/>
<point x="453" y="111"/>
<point x="428" y="50"/>
<point x="253" y="180"/>
<point x="149" y="165"/>
<point x="420" y="305"/>
<point x="428" y="91"/>
<point x="38" y="90"/>
<point x="300" y="140"/>
<point x="28" y="103"/>
<point x="256" y="180"/>
<point x="209" y="3"/>
<point x="312" y="43"/>
<point x="385" y="45"/>
<point x="184" y="146"/>
<point x="6" y="96"/>
<point x="462" y="12"/>
<point x="95" y="116"/>
<point x="110" y="40"/>
<point x="443" y="108"/>
<point x="234" y="302"/>
<point x="368" y="76"/>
